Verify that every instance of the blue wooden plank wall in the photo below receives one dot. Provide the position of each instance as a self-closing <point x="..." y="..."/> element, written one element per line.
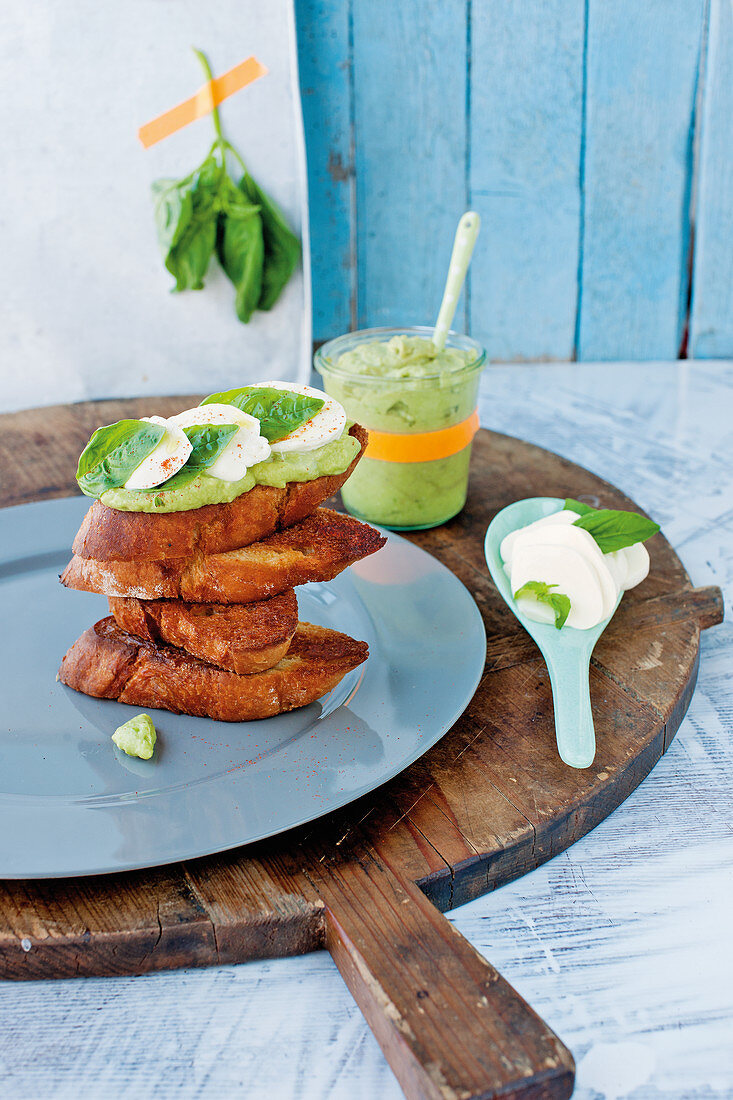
<point x="526" y="140"/>
<point x="711" y="316"/>
<point x="641" y="78"/>
<point x="590" y="135"/>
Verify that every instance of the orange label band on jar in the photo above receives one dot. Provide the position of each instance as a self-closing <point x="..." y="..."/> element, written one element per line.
<point x="422" y="446"/>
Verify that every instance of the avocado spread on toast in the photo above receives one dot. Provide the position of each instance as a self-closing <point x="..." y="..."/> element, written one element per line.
<point x="278" y="470"/>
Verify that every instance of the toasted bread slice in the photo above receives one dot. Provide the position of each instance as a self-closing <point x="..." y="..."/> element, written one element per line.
<point x="243" y="638"/>
<point x="316" y="549"/>
<point x="108" y="663"/>
<point x="107" y="534"/>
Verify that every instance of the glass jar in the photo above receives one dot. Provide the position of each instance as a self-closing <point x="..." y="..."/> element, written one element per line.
<point x="421" y="422"/>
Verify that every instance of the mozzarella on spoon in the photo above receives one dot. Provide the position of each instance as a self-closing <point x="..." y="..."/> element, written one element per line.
<point x="325" y="427"/>
<point x="507" y="545"/>
<point x="637" y="564"/>
<point x="246" y="447"/>
<point x="566" y="537"/>
<point x="568" y="559"/>
<point x="570" y="572"/>
<point x="166" y="459"/>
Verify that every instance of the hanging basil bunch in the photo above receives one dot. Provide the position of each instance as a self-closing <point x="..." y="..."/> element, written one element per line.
<point x="208" y="212"/>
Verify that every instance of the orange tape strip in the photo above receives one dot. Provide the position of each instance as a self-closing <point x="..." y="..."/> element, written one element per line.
<point x="202" y="103"/>
<point x="422" y="446"/>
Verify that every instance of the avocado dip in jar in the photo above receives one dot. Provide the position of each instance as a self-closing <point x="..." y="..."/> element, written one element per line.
<point x="419" y="405"/>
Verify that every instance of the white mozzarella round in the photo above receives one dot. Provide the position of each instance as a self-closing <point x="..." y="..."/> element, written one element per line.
<point x="584" y="544"/>
<point x="325" y="427"/>
<point x="637" y="564"/>
<point x="246" y="447"/>
<point x="536" y="611"/>
<point x="213" y="414"/>
<point x="566" y="534"/>
<point x="570" y="572"/>
<point x="561" y="517"/>
<point x="609" y="589"/>
<point x="617" y="563"/>
<point x="167" y="458"/>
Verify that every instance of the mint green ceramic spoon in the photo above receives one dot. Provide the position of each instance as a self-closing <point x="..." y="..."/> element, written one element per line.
<point x="566" y="652"/>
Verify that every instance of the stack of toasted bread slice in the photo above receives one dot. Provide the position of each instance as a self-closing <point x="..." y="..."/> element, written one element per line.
<point x="204" y="617"/>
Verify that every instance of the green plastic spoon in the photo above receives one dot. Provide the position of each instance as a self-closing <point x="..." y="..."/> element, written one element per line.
<point x="566" y="652"/>
<point x="465" y="239"/>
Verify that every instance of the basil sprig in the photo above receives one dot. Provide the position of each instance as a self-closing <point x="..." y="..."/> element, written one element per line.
<point x="612" y="530"/>
<point x="208" y="212"/>
<point x="186" y="214"/>
<point x="114" y="452"/>
<point x="208" y="441"/>
<point x="279" y="412"/>
<point x="559" y="602"/>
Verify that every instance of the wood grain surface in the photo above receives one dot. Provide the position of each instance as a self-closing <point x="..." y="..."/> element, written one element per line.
<point x="488" y="803"/>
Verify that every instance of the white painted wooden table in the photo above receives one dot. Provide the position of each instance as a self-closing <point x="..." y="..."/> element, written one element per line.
<point x="623" y="943"/>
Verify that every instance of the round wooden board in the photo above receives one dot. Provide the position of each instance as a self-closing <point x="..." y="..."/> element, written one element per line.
<point x="490" y="802"/>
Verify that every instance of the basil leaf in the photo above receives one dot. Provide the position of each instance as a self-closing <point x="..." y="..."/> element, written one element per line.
<point x="241" y="251"/>
<point x="571" y="505"/>
<point x="173" y="210"/>
<point x="559" y="602"/>
<point x="114" y="452"/>
<point x="235" y="202"/>
<point x="282" y="247"/>
<point x="208" y="441"/>
<point x="279" y="412"/>
<point x="208" y="180"/>
<point x="180" y="480"/>
<point x="188" y="258"/>
<point x="615" y="530"/>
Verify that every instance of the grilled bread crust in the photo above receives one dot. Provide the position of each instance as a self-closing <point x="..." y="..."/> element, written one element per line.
<point x="316" y="549"/>
<point x="107" y="534"/>
<point x="243" y="638"/>
<point x="108" y="663"/>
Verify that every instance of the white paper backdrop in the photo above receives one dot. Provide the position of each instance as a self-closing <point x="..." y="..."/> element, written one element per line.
<point x="85" y="308"/>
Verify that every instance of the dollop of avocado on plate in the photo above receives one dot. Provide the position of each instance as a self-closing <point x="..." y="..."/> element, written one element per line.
<point x="137" y="737"/>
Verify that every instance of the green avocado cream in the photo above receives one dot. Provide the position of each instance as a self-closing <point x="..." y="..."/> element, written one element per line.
<point x="137" y="737"/>
<point x="404" y="385"/>
<point x="189" y="489"/>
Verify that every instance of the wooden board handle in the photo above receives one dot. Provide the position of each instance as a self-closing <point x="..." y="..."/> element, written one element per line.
<point x="449" y="1025"/>
<point x="709" y="605"/>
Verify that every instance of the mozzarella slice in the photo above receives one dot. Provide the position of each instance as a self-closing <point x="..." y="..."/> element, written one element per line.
<point x="579" y="540"/>
<point x="168" y="457"/>
<point x="561" y="517"/>
<point x="570" y="572"/>
<point x="325" y="427"/>
<point x="637" y="563"/>
<point x="246" y="447"/>
<point x="536" y="611"/>
<point x="618" y="567"/>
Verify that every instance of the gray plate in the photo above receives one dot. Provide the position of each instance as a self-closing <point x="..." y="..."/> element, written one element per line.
<point x="72" y="804"/>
